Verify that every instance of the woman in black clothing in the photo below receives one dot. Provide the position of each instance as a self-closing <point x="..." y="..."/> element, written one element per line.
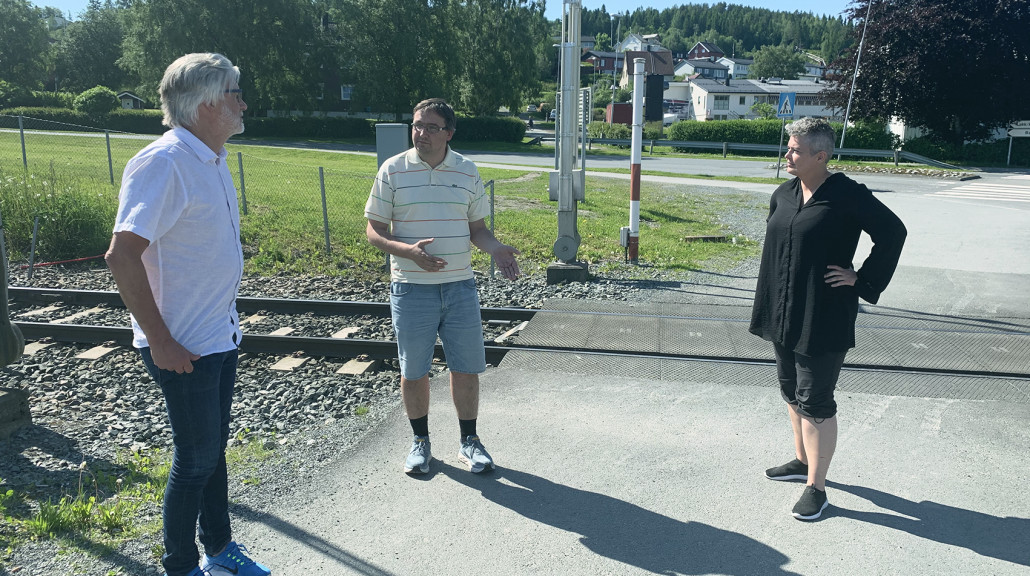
<point x="807" y="296"/>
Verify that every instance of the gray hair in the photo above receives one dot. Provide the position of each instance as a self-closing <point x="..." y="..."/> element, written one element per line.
<point x="815" y="132"/>
<point x="192" y="80"/>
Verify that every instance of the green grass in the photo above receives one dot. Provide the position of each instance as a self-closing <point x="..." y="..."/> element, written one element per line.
<point x="110" y="505"/>
<point x="282" y="227"/>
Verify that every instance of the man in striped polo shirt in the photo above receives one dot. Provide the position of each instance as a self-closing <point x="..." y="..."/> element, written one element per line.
<point x="426" y="210"/>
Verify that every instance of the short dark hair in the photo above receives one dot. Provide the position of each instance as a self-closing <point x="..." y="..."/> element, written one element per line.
<point x="441" y="107"/>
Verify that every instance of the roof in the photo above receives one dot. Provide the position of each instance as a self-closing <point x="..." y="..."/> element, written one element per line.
<point x="746" y="61"/>
<point x="655" y="61"/>
<point x="128" y="95"/>
<point x="708" y="47"/>
<point x="758" y="87"/>
<point x="705" y="63"/>
<point x="599" y="54"/>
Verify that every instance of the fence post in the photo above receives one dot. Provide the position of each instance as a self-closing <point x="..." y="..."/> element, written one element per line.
<point x="895" y="158"/>
<point x="725" y="149"/>
<point x="491" y="185"/>
<point x="21" y="130"/>
<point x="243" y="185"/>
<point x="32" y="250"/>
<point x="325" y="211"/>
<point x="110" y="165"/>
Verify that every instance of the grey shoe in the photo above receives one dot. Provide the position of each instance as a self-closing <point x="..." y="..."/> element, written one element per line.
<point x="811" y="504"/>
<point x="475" y="455"/>
<point x="420" y="456"/>
<point x="793" y="470"/>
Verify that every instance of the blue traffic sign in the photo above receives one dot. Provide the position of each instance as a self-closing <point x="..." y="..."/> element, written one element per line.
<point x="786" y="107"/>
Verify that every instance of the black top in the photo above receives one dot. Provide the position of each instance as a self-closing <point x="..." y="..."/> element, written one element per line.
<point x="794" y="306"/>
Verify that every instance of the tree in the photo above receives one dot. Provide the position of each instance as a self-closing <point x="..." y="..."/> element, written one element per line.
<point x="496" y="66"/>
<point x="24" y="44"/>
<point x="763" y="110"/>
<point x="88" y="53"/>
<point x="274" y="42"/>
<point x="603" y="42"/>
<point x="777" y="61"/>
<point x="959" y="68"/>
<point x="398" y="42"/>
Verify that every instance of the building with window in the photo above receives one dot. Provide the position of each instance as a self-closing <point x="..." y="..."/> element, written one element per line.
<point x="732" y="99"/>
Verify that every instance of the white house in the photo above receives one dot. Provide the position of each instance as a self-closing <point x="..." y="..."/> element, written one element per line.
<point x="637" y="43"/>
<point x="703" y="68"/>
<point x="733" y="99"/>
<point x="738" y="67"/>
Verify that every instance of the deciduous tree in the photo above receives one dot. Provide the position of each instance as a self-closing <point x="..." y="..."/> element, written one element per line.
<point x="274" y="42"/>
<point x="24" y="44"/>
<point x="779" y="61"/>
<point x="956" y="67"/>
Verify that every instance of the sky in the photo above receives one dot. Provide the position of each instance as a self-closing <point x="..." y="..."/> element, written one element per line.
<point x="554" y="7"/>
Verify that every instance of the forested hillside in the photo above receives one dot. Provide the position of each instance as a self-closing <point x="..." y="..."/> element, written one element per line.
<point x="735" y="29"/>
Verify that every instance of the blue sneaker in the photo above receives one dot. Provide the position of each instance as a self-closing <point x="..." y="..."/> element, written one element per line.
<point x="233" y="562"/>
<point x="420" y="456"/>
<point x="475" y="455"/>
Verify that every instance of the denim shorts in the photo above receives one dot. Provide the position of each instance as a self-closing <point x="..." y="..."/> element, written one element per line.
<point x="808" y="382"/>
<point x="421" y="312"/>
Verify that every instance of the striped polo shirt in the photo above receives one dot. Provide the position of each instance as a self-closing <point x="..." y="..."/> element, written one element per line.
<point x="420" y="202"/>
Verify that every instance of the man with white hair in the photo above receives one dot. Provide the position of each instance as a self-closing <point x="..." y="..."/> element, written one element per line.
<point x="177" y="259"/>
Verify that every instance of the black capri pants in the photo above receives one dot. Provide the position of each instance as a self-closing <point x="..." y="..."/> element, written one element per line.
<point x="808" y="382"/>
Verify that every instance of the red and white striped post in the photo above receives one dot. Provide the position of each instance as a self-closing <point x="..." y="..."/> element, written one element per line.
<point x="634" y="170"/>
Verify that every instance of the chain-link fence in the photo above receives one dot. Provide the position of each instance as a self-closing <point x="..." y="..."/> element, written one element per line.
<point x="301" y="215"/>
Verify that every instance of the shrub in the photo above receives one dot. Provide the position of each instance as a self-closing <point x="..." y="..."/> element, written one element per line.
<point x="868" y="135"/>
<point x="489" y="128"/>
<point x="50" y="99"/>
<point x="742" y="131"/>
<point x="97" y="102"/>
<point x="612" y="131"/>
<point x="309" y="127"/>
<point x="136" y="121"/>
<point x="46" y="118"/>
<point x="12" y="94"/>
<point x="652" y="131"/>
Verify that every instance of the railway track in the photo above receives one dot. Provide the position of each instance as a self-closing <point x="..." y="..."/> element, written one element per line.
<point x="502" y="325"/>
<point x="332" y="347"/>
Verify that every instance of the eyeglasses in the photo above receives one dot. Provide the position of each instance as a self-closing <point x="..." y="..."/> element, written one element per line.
<point x="428" y="128"/>
<point x="238" y="92"/>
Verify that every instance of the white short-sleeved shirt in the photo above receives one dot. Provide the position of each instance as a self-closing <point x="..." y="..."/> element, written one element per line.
<point x="419" y="202"/>
<point x="178" y="194"/>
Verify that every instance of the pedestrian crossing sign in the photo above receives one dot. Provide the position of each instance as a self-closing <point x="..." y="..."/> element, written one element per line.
<point x="786" y="106"/>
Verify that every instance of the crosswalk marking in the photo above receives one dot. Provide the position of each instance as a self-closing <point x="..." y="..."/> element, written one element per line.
<point x="1012" y="189"/>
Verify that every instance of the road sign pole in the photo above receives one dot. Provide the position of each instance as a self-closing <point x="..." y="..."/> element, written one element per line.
<point x="779" y="151"/>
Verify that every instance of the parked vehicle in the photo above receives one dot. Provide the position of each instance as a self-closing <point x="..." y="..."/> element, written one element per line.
<point x="553" y="117"/>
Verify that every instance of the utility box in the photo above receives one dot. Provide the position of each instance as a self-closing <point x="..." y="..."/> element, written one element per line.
<point x="619" y="113"/>
<point x="391" y="140"/>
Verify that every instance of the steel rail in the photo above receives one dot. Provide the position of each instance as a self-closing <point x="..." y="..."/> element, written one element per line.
<point x="386" y="349"/>
<point x="246" y="304"/>
<point x="254" y="343"/>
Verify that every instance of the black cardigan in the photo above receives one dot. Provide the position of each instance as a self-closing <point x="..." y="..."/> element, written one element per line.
<point x="794" y="306"/>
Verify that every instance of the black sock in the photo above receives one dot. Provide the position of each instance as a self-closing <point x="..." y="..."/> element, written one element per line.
<point x="420" y="426"/>
<point x="468" y="428"/>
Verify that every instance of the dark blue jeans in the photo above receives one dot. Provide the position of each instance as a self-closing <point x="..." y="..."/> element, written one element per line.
<point x="198" y="406"/>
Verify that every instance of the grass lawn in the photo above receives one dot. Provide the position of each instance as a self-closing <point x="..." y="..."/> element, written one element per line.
<point x="283" y="224"/>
